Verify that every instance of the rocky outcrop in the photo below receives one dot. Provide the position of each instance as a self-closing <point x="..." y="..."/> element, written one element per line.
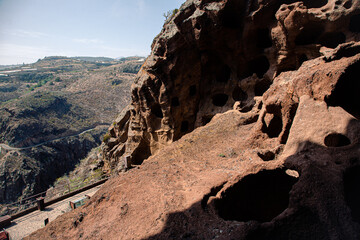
<point x="213" y="54"/>
<point x="281" y="163"/>
<point x="30" y="171"/>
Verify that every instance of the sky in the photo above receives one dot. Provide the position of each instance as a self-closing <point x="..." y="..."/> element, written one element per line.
<point x="33" y="29"/>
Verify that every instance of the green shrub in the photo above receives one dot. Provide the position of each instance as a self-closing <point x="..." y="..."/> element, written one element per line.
<point x="106" y="138"/>
<point x="170" y="14"/>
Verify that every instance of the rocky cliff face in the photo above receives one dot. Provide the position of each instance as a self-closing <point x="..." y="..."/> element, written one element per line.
<point x="281" y="158"/>
<point x="213" y="54"/>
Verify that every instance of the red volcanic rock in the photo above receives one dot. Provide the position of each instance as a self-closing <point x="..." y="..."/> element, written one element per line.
<point x="247" y="116"/>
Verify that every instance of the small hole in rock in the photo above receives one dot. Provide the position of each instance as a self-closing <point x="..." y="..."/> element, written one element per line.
<point x="238" y="94"/>
<point x="352" y="191"/>
<point x="175" y="102"/>
<point x="259" y="197"/>
<point x="348" y="4"/>
<point x="267" y="156"/>
<point x="184" y="126"/>
<point x="274" y="126"/>
<point x="192" y="90"/>
<point x="197" y="26"/>
<point x="332" y="40"/>
<point x="224" y="74"/>
<point x="336" y="140"/>
<point x="355" y="24"/>
<point x="259" y="66"/>
<point x="314" y="4"/>
<point x="338" y="2"/>
<point x="309" y="34"/>
<point x="156" y="110"/>
<point x="220" y="100"/>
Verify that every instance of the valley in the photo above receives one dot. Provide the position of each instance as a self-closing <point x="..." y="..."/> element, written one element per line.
<point x="52" y="114"/>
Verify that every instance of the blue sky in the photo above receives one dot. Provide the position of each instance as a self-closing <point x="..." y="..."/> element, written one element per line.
<point x="33" y="29"/>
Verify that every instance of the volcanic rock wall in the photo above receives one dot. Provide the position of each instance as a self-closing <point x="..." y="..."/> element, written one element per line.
<point x="213" y="54"/>
<point x="281" y="162"/>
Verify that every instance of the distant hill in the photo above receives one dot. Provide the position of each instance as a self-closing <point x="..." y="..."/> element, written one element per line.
<point x="53" y="98"/>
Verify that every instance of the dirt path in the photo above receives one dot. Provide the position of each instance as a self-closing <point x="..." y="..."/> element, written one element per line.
<point x="9" y="148"/>
<point x="27" y="224"/>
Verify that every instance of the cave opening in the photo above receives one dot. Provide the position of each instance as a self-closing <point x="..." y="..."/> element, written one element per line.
<point x="220" y="99"/>
<point x="156" y="110"/>
<point x="259" y="197"/>
<point x="352" y="191"/>
<point x="314" y="4"/>
<point x="259" y="66"/>
<point x="346" y="92"/>
<point x="309" y="34"/>
<point x="267" y="156"/>
<point x="232" y="14"/>
<point x="333" y="39"/>
<point x="336" y="140"/>
<point x="355" y="23"/>
<point x="274" y="126"/>
<point x="141" y="153"/>
<point x="348" y="4"/>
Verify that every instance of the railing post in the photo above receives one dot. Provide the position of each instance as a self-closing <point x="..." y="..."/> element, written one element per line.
<point x="40" y="203"/>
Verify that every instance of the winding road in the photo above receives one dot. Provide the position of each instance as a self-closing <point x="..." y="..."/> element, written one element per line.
<point x="9" y="148"/>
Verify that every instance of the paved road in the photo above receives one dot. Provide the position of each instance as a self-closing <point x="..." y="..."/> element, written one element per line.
<point x="9" y="148"/>
<point x="27" y="224"/>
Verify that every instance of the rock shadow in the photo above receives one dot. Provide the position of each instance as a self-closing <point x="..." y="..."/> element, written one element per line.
<point x="323" y="203"/>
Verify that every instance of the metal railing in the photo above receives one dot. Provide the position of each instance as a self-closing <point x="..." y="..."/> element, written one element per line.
<point x="66" y="190"/>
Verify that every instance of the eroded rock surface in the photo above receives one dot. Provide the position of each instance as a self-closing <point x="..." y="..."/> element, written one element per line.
<point x="277" y="160"/>
<point x="213" y="54"/>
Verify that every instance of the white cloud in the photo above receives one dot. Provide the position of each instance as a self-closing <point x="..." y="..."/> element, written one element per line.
<point x="88" y="41"/>
<point x="17" y="54"/>
<point x="25" y="34"/>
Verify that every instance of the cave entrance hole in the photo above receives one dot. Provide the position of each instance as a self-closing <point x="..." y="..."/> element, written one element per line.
<point x="156" y="110"/>
<point x="346" y="92"/>
<point x="332" y="40"/>
<point x="336" y="140"/>
<point x="259" y="197"/>
<point x="309" y="34"/>
<point x="274" y="127"/>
